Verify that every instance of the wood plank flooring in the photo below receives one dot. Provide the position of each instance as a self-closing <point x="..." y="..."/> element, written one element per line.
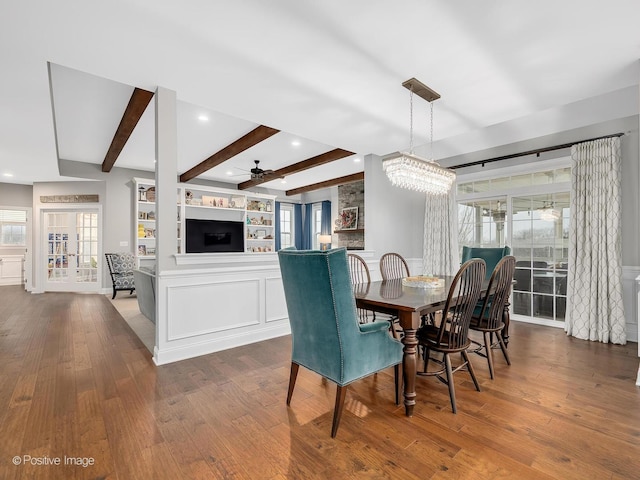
<point x="75" y="381"/>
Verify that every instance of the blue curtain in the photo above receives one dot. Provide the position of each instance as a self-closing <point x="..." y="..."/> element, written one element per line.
<point x="307" y="244"/>
<point x="276" y="226"/>
<point x="297" y="220"/>
<point x="325" y="219"/>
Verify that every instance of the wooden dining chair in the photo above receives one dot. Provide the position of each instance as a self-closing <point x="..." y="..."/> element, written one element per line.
<point x="360" y="278"/>
<point x="488" y="318"/>
<point x="393" y="265"/>
<point x="452" y="335"/>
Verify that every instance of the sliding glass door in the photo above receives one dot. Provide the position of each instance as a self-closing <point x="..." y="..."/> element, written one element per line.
<point x="540" y="240"/>
<point x="529" y="211"/>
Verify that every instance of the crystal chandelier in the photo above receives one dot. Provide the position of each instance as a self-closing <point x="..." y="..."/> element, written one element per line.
<point x="407" y="170"/>
<point x="548" y="213"/>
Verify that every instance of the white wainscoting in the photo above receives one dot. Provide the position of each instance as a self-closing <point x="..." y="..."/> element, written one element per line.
<point x="276" y="306"/>
<point x="11" y="269"/>
<point x="212" y="306"/>
<point x="202" y="311"/>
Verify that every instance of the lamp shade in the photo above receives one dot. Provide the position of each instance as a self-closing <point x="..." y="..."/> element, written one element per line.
<point x="324" y="239"/>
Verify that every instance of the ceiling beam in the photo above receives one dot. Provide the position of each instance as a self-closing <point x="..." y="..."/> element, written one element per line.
<point x="135" y="108"/>
<point x="354" y="177"/>
<point x="321" y="159"/>
<point x="252" y="138"/>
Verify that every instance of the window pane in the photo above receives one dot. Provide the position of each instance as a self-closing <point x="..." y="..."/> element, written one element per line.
<point x="13" y="227"/>
<point x="542" y="178"/>
<point x="286" y="226"/>
<point x="562" y="175"/>
<point x="521" y="180"/>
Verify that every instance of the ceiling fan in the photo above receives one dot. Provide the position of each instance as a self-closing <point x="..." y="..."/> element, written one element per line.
<point x="258" y="173"/>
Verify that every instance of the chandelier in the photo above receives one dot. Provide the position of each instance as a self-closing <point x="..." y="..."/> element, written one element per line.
<point x="548" y="213"/>
<point x="407" y="170"/>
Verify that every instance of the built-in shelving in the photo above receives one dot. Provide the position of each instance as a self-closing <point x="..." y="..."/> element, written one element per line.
<point x="255" y="211"/>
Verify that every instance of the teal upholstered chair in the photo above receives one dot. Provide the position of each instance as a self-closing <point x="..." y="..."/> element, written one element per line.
<point x="327" y="337"/>
<point x="490" y="255"/>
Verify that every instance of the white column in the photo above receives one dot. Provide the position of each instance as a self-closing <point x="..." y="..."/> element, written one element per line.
<point x="166" y="179"/>
<point x="166" y="200"/>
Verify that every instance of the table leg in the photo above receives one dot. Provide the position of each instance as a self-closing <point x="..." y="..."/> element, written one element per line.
<point x="506" y="319"/>
<point x="409" y="364"/>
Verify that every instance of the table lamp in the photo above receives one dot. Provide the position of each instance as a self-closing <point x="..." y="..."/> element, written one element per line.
<point x="324" y="240"/>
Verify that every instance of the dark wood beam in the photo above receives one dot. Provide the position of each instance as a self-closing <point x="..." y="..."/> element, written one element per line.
<point x="136" y="107"/>
<point x="252" y="138"/>
<point x="354" y="177"/>
<point x="321" y="159"/>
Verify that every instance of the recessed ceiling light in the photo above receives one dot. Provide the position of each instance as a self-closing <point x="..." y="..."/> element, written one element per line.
<point x="229" y="172"/>
<point x="295" y="143"/>
<point x="7" y="174"/>
<point x="357" y="159"/>
<point x="203" y="118"/>
<point x="283" y="181"/>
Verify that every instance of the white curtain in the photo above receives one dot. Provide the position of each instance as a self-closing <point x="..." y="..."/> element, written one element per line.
<point x="440" y="248"/>
<point x="594" y="297"/>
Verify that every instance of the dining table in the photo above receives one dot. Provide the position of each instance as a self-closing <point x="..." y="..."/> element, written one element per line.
<point x="409" y="304"/>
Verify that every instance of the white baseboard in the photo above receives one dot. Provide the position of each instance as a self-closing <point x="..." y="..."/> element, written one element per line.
<point x="174" y="354"/>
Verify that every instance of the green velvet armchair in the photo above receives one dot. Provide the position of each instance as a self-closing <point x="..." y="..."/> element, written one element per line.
<point x="490" y="255"/>
<point x="327" y="337"/>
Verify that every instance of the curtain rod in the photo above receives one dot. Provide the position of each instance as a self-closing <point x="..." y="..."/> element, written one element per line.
<point x="537" y="151"/>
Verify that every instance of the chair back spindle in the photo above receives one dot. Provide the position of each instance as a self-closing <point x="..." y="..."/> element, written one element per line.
<point x="393" y="265"/>
<point x="463" y="295"/>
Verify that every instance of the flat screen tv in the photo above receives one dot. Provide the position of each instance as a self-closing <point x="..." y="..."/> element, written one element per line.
<point x="214" y="236"/>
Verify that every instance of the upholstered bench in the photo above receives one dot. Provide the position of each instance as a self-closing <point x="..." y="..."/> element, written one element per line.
<point x="145" y="279"/>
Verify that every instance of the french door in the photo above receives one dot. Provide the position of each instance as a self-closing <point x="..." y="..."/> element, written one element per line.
<point x="72" y="250"/>
<point x="536" y="227"/>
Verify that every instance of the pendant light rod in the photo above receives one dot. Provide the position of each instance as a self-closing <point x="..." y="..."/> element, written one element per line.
<point x="537" y="151"/>
<point x="420" y="89"/>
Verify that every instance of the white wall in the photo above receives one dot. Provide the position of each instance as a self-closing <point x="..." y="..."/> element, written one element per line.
<point x="395" y="216"/>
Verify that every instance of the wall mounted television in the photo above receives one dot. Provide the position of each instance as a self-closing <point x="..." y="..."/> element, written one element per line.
<point x="206" y="236"/>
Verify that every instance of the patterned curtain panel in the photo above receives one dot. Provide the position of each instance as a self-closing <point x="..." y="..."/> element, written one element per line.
<point x="594" y="295"/>
<point x="440" y="248"/>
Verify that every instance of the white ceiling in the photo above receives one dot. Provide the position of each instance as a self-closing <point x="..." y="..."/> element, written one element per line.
<point x="325" y="73"/>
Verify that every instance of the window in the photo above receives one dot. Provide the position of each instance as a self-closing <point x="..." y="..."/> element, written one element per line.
<point x="529" y="211"/>
<point x="316" y="225"/>
<point x="287" y="234"/>
<point x="13" y="228"/>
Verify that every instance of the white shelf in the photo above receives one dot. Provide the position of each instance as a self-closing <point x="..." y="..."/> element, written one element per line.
<point x="228" y="209"/>
<point x="199" y="194"/>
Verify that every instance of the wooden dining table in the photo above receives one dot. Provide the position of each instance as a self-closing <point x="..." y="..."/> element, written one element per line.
<point x="409" y="304"/>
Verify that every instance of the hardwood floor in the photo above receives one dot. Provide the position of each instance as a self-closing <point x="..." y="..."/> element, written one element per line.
<point x="76" y="382"/>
